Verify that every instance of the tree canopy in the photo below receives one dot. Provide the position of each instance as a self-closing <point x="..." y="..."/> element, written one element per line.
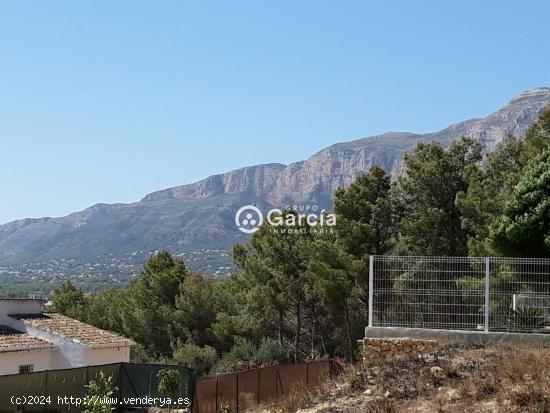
<point x="524" y="227"/>
<point x="430" y="222"/>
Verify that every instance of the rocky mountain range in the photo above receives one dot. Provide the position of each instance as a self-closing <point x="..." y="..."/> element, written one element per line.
<point x="200" y="216"/>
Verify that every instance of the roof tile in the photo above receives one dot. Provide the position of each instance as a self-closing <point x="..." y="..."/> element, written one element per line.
<point x="12" y="340"/>
<point x="73" y="330"/>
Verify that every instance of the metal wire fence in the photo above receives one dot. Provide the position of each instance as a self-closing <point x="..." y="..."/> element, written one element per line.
<point x="460" y="293"/>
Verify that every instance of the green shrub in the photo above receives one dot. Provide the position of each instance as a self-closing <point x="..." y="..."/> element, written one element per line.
<point x="138" y="354"/>
<point x="527" y="319"/>
<point x="270" y="352"/>
<point x="245" y="355"/>
<point x="200" y="359"/>
<point x="169" y="383"/>
<point x="99" y="392"/>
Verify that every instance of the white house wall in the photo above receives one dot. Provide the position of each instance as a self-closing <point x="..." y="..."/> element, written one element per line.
<point x="41" y="360"/>
<point x="98" y="356"/>
<point x="53" y="359"/>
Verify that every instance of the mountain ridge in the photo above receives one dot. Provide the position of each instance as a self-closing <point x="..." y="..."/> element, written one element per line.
<point x="200" y="214"/>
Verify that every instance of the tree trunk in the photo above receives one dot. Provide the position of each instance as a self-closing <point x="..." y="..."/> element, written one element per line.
<point x="281" y="320"/>
<point x="348" y="329"/>
<point x="316" y="321"/>
<point x="312" y="339"/>
<point x="298" y="328"/>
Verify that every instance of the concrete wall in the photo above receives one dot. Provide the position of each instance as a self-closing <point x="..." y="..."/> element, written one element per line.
<point x="41" y="359"/>
<point x="458" y="336"/>
<point x="98" y="356"/>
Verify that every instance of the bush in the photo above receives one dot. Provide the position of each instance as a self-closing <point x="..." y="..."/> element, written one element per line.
<point x="100" y="390"/>
<point x="138" y="354"/>
<point x="200" y="359"/>
<point x="245" y="355"/>
<point x="527" y="319"/>
<point x="169" y="382"/>
<point x="270" y="352"/>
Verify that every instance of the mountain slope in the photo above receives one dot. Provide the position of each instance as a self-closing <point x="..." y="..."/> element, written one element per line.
<point x="200" y="215"/>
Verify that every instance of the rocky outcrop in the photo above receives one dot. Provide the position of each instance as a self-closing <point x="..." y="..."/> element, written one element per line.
<point x="259" y="180"/>
<point x="316" y="179"/>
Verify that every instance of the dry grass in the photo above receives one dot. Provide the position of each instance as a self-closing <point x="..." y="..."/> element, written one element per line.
<point x="293" y="401"/>
<point x="452" y="379"/>
<point x="302" y="397"/>
<point x="519" y="381"/>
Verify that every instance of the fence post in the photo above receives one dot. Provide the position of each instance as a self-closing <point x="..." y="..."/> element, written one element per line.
<point x="237" y="392"/>
<point x="487" y="282"/>
<point x="276" y="383"/>
<point x="120" y="381"/>
<point x="371" y="287"/>
<point x="217" y="386"/>
<point x="259" y="384"/>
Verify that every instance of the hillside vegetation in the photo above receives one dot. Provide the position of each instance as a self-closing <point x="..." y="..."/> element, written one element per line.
<point x="302" y="294"/>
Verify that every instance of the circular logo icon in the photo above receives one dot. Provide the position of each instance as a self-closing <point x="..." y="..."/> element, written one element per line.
<point x="249" y="219"/>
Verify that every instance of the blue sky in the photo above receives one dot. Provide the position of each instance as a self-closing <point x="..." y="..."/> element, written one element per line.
<point x="104" y="101"/>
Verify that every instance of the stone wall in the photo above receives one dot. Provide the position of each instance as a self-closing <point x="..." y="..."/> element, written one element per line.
<point x="381" y="349"/>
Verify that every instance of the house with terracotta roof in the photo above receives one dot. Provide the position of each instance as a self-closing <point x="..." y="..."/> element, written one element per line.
<point x="31" y="340"/>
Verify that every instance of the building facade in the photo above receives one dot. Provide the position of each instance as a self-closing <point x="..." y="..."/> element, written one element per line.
<point x="31" y="340"/>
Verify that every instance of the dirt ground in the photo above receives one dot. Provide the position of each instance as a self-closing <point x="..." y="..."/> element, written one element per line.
<point x="451" y="379"/>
